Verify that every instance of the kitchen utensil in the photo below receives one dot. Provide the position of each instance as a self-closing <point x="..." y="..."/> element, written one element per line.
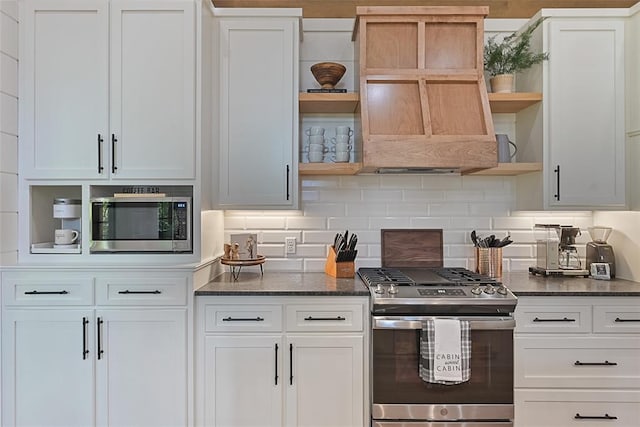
<point x="599" y="250"/>
<point x="504" y="148"/>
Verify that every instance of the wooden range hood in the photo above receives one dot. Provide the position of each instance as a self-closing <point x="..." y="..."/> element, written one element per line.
<point x="423" y="100"/>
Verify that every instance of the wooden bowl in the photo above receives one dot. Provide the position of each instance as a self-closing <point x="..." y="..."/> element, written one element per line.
<point x="328" y="74"/>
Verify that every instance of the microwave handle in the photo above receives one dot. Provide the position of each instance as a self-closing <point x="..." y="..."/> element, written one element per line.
<point x="475" y="323"/>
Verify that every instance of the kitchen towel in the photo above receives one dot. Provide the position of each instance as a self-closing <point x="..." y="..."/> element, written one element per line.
<point x="445" y="351"/>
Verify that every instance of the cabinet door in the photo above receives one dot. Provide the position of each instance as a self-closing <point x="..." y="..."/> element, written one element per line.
<point x="585" y="100"/>
<point x="141" y="367"/>
<point x="63" y="88"/>
<point x="325" y="387"/>
<point x="152" y="89"/>
<point x="259" y="110"/>
<point x="243" y="380"/>
<point x="47" y="367"/>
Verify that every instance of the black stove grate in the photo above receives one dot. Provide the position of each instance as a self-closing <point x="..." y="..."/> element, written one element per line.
<point x="454" y="275"/>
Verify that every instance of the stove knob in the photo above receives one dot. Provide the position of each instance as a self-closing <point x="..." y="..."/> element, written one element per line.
<point x="379" y="289"/>
<point x="476" y="290"/>
<point x="393" y="289"/>
<point x="502" y="290"/>
<point x="489" y="290"/>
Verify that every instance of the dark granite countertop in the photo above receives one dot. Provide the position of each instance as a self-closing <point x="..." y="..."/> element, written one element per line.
<point x="525" y="284"/>
<point x="283" y="284"/>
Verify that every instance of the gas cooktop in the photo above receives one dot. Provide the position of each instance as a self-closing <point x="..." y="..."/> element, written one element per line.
<point x="435" y="291"/>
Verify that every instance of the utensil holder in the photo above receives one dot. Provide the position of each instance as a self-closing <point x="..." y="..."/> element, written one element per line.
<point x="344" y="269"/>
<point x="489" y="262"/>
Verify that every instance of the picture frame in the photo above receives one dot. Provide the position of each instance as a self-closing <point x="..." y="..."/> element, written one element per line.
<point x="600" y="270"/>
<point x="247" y="245"/>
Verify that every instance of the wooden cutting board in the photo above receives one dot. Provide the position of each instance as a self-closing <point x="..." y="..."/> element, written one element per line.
<point x="411" y="247"/>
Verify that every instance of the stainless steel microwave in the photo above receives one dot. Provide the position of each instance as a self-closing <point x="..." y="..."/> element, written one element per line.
<point x="141" y="224"/>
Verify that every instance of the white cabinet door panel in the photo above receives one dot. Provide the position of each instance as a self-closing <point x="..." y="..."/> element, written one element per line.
<point x="326" y="388"/>
<point x="64" y="88"/>
<point x="141" y="376"/>
<point x="243" y="381"/>
<point x="152" y="89"/>
<point x="47" y="375"/>
<point x="586" y="113"/>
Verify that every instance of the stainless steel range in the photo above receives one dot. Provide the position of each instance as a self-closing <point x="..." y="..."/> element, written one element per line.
<point x="403" y="299"/>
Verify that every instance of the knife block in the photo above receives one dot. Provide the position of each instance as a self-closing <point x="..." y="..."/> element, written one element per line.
<point x="345" y="269"/>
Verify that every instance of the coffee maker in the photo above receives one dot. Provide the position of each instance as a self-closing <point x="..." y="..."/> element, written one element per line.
<point x="556" y="252"/>
<point x="599" y="251"/>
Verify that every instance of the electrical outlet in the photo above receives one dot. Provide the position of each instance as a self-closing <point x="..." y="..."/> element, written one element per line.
<point x="290" y="245"/>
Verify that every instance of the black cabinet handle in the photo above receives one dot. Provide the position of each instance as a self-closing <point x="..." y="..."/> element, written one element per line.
<point x="564" y="319"/>
<point x="243" y="319"/>
<point x="114" y="168"/>
<point x="276" y="351"/>
<point x="595" y="417"/>
<point x="557" y="172"/>
<point x="324" y="318"/>
<point x="128" y="292"/>
<point x="46" y="292"/>
<point x="100" y="141"/>
<point x="619" y="320"/>
<point x="605" y="363"/>
<point x="85" y="351"/>
<point x="288" y="173"/>
<point x="290" y="364"/>
<point x="99" y="328"/>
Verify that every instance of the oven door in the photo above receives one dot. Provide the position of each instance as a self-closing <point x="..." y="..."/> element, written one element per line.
<point x="398" y="392"/>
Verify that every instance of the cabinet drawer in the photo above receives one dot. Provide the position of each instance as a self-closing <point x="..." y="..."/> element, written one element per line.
<point x="565" y="408"/>
<point x="324" y="317"/>
<point x="616" y="319"/>
<point x="46" y="290"/>
<point x="538" y="319"/>
<point x="138" y="291"/>
<point x="243" y="318"/>
<point x="597" y="362"/>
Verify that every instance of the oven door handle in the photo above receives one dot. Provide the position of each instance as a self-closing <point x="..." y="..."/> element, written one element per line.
<point x="475" y="322"/>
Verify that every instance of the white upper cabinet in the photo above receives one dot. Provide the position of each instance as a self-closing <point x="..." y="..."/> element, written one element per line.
<point x="579" y="130"/>
<point x="585" y="115"/>
<point x="107" y="89"/>
<point x="258" y="112"/>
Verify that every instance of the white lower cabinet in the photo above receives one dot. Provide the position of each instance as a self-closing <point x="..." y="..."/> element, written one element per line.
<point x="68" y="361"/>
<point x="577" y="361"/>
<point x="286" y="361"/>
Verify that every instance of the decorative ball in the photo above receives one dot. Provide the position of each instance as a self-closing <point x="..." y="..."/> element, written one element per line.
<point x="328" y="74"/>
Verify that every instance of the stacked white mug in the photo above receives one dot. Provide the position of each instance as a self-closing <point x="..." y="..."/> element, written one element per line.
<point x="342" y="147"/>
<point x="316" y="147"/>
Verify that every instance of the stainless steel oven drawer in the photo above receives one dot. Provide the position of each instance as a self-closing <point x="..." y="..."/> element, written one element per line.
<point x="441" y="424"/>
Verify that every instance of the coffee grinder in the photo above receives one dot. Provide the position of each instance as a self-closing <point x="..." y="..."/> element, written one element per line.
<point x="599" y="251"/>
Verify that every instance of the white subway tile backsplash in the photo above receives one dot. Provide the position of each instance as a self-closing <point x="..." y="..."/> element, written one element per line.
<point x="360" y="182"/>
<point x="389" y="222"/>
<point x="431" y="222"/>
<point x="460" y="251"/>
<point x="351" y="223"/>
<point x="341" y="195"/>
<point x="364" y="209"/>
<point x="234" y="222"/>
<point x="484" y="183"/>
<point x="314" y="265"/>
<point x="324" y="209"/>
<point x="8" y="75"/>
<point x="512" y="223"/>
<point x="10" y="8"/>
<point x="8" y="153"/>
<point x="382" y="195"/>
<point x="312" y="251"/>
<point x="309" y="196"/>
<point x="279" y="264"/>
<point x="492" y="208"/>
<point x="319" y="237"/>
<point x="431" y="182"/>
<point x="329" y="182"/>
<point x="470" y="223"/>
<point x="464" y="196"/>
<point x="271" y="251"/>
<point x="8" y="114"/>
<point x="523" y="236"/>
<point x="8" y="192"/>
<point x="9" y="35"/>
<point x="270" y="236"/>
<point x="451" y="237"/>
<point x="402" y="182"/>
<point x="8" y="231"/>
<point x="9" y="258"/>
<point x="261" y="222"/>
<point x="449" y="209"/>
<point x="518" y="251"/>
<point x="306" y="223"/>
<point x="423" y="195"/>
<point x="406" y="209"/>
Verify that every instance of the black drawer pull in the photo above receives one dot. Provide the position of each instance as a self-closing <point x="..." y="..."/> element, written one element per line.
<point x="564" y="319"/>
<point x="605" y="363"/>
<point x="325" y="318"/>
<point x="276" y="359"/>
<point x="128" y="292"/>
<point x="243" y="319"/>
<point x="85" y="351"/>
<point x="46" y="292"/>
<point x="619" y="320"/>
<point x="595" y="417"/>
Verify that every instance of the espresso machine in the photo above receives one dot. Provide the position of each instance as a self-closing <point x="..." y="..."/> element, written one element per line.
<point x="556" y="251"/>
<point x="599" y="251"/>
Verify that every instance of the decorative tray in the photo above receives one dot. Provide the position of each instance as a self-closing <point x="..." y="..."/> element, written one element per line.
<point x="243" y="262"/>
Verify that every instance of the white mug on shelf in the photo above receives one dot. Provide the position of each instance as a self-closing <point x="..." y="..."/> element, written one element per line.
<point x="344" y="130"/>
<point x="314" y="130"/>
<point x="341" y="146"/>
<point x="316" y="139"/>
<point x="320" y="148"/>
<point x="341" y="139"/>
<point x="316" y="156"/>
<point x="341" y="156"/>
<point x="65" y="236"/>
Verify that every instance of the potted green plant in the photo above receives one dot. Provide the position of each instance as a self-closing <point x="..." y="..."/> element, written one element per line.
<point x="502" y="59"/>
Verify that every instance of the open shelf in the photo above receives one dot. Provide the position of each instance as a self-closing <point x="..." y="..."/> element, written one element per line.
<point x="507" y="169"/>
<point x="328" y="102"/>
<point x="329" y="168"/>
<point x="512" y="102"/>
